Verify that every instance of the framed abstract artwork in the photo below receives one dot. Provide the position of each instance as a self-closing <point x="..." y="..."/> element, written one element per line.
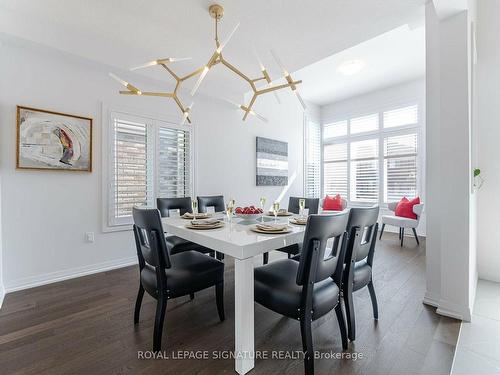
<point x="49" y="140"/>
<point x="272" y="162"/>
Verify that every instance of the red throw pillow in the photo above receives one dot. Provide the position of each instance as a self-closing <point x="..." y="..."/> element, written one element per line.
<point x="405" y="208"/>
<point x="333" y="203"/>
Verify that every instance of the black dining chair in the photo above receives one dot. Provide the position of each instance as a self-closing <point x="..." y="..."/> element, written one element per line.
<point x="362" y="227"/>
<point x="293" y="206"/>
<point x="215" y="201"/>
<point x="310" y="288"/>
<point x="177" y="244"/>
<point x="165" y="276"/>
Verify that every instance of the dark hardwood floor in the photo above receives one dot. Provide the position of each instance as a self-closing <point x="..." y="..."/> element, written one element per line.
<point x="85" y="326"/>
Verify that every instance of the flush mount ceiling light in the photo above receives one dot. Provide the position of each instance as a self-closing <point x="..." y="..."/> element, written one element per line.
<point x="351" y="67"/>
<point x="216" y="12"/>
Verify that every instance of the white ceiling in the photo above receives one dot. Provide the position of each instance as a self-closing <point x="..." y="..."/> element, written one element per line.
<point x="393" y="57"/>
<point x="124" y="33"/>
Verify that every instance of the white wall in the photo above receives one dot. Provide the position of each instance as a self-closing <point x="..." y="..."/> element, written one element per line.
<point x="451" y="275"/>
<point x="2" y="288"/>
<point x="377" y="101"/>
<point x="488" y="116"/>
<point x="45" y="214"/>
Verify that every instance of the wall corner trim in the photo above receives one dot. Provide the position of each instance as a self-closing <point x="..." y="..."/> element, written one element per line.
<point x="53" y="277"/>
<point x="2" y="294"/>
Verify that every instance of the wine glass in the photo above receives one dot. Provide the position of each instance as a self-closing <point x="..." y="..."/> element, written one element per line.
<point x="262" y="204"/>
<point x="302" y="206"/>
<point x="229" y="211"/>
<point x="194" y="206"/>
<point x="232" y="202"/>
<point x="276" y="208"/>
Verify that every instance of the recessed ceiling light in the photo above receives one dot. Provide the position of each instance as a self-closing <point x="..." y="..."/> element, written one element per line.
<point x="351" y="67"/>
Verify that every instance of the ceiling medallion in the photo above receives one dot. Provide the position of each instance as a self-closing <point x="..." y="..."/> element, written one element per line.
<point x="216" y="11"/>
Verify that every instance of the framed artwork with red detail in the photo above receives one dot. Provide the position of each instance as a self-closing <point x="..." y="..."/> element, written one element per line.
<point x="48" y="140"/>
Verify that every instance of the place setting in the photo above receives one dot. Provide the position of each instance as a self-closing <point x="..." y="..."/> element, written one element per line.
<point x="201" y="221"/>
<point x="271" y="228"/>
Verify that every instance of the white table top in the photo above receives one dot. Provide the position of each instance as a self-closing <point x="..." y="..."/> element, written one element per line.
<point x="235" y="239"/>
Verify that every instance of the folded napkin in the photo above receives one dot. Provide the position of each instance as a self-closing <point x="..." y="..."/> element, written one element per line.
<point x="189" y="215"/>
<point x="300" y="220"/>
<point x="206" y="223"/>
<point x="271" y="227"/>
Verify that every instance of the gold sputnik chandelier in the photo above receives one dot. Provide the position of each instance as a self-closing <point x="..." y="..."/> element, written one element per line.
<point x="216" y="11"/>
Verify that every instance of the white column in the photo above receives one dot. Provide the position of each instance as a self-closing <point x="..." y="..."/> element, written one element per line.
<point x="244" y="315"/>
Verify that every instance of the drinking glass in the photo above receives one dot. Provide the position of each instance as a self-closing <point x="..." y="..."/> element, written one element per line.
<point x="262" y="205"/>
<point x="302" y="206"/>
<point x="229" y="211"/>
<point x="276" y="208"/>
<point x="194" y="206"/>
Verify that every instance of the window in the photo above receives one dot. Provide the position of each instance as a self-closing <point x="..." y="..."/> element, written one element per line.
<point x="372" y="158"/>
<point x="147" y="158"/>
<point x="312" y="160"/>
<point x="335" y="169"/>
<point x="364" y="124"/>
<point x="400" y="167"/>
<point x="364" y="171"/>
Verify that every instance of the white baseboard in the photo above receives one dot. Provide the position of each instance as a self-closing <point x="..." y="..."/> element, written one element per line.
<point x="53" y="277"/>
<point x="454" y="311"/>
<point x="431" y="299"/>
<point x="2" y="294"/>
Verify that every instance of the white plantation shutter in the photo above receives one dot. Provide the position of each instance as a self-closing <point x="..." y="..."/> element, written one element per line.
<point x="129" y="185"/>
<point x="370" y="162"/>
<point x="364" y="124"/>
<point x="312" y="160"/>
<point x="401" y="116"/>
<point x="400" y="167"/>
<point x="335" y="129"/>
<point x="335" y="169"/>
<point x="174" y="172"/>
<point x="146" y="159"/>
<point x="364" y="171"/>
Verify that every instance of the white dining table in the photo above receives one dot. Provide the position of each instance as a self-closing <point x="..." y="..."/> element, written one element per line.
<point x="238" y="241"/>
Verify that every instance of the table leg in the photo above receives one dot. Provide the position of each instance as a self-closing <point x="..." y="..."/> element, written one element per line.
<point x="244" y="315"/>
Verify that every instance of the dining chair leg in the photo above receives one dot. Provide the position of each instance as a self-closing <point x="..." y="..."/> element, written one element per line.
<point x="341" y="321"/>
<point x="161" y="307"/>
<point x="266" y="258"/>
<point x="399" y="236"/>
<point x="349" y="312"/>
<point x="307" y="343"/>
<point x="373" y="297"/>
<point x="138" y="303"/>
<point x="219" y="297"/>
<point x="415" y="234"/>
<point x="381" y="231"/>
<point x="191" y="296"/>
<point x="402" y="235"/>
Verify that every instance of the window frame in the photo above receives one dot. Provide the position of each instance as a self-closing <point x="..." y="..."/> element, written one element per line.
<point x="153" y="124"/>
<point x="381" y="133"/>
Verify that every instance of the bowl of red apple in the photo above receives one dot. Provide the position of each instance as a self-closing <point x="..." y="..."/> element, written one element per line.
<point x="249" y="213"/>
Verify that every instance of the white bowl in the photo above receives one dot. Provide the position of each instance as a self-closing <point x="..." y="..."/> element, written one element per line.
<point x="249" y="216"/>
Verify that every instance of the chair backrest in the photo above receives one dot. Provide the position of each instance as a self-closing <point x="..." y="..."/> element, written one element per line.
<point x="167" y="204"/>
<point x="362" y="228"/>
<point x="150" y="238"/>
<point x="311" y="203"/>
<point x="313" y="267"/>
<point x="418" y="209"/>
<point x="216" y="201"/>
